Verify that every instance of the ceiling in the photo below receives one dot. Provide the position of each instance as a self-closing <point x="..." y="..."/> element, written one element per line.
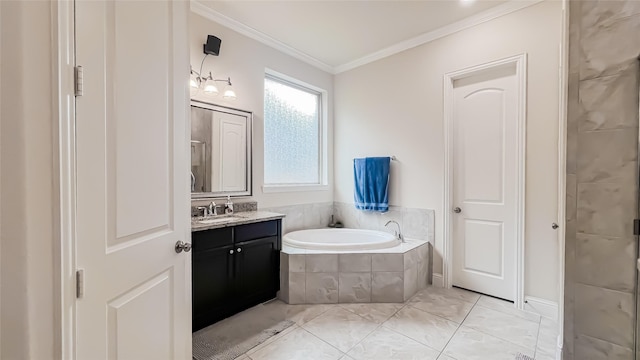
<point x="342" y="34"/>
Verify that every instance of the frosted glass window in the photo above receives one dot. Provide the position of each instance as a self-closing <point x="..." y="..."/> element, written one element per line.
<point x="292" y="134"/>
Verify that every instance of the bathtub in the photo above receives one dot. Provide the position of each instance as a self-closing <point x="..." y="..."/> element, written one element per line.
<point x="340" y="239"/>
<point x="328" y="266"/>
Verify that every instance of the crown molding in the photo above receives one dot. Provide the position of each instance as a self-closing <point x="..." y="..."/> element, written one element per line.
<point x="501" y="10"/>
<point x="201" y="9"/>
<point x="477" y="19"/>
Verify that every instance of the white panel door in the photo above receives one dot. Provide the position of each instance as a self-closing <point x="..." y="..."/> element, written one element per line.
<point x="233" y="151"/>
<point x="484" y="182"/>
<point x="132" y="180"/>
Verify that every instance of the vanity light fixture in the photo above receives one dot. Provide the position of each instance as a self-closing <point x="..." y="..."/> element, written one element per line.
<point x="207" y="83"/>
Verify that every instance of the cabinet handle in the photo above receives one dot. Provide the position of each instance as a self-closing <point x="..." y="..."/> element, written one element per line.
<point x="239" y="250"/>
<point x="231" y="251"/>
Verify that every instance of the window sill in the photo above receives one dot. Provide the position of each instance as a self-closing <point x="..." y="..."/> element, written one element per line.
<point x="293" y="188"/>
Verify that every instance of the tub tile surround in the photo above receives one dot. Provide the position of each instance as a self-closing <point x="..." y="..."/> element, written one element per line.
<point x="602" y="129"/>
<point x="354" y="278"/>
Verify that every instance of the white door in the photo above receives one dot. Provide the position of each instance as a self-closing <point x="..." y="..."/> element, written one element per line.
<point x="484" y="182"/>
<point x="233" y="151"/>
<point x="132" y="180"/>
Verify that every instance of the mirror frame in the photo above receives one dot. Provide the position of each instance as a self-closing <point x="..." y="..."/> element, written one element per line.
<point x="249" y="160"/>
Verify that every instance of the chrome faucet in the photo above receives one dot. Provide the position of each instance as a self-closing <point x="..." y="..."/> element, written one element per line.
<point x="213" y="211"/>
<point x="398" y="233"/>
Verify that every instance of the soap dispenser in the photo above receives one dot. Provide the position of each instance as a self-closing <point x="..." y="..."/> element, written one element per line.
<point x="228" y="206"/>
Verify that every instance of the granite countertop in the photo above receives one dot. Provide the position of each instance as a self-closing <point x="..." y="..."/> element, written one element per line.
<point x="239" y="218"/>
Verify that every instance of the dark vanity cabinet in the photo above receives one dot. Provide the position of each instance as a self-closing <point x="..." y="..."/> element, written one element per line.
<point x="234" y="268"/>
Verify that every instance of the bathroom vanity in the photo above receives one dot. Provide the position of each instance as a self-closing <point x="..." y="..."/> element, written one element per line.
<point x="235" y="264"/>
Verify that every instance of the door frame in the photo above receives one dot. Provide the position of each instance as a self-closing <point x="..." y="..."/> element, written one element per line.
<point x="63" y="58"/>
<point x="520" y="62"/>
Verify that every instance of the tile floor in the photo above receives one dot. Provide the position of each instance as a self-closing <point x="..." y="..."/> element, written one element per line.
<point x="434" y="324"/>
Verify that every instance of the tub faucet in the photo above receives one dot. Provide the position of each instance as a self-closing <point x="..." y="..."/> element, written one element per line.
<point x="398" y="233"/>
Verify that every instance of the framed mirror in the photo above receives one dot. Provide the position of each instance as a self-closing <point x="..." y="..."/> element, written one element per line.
<point x="221" y="140"/>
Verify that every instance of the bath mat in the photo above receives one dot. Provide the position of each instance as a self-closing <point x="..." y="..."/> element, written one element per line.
<point x="521" y="356"/>
<point x="232" y="337"/>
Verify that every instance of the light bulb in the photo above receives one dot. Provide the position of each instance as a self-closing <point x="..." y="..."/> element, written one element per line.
<point x="229" y="94"/>
<point x="210" y="88"/>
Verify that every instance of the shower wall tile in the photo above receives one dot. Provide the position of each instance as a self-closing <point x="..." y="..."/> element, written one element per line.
<point x="604" y="314"/>
<point x="610" y="102"/>
<point x="317" y="215"/>
<point x="608" y="44"/>
<point x="410" y="282"/>
<point x="609" y="156"/>
<point x="607" y="12"/>
<point x="571" y="192"/>
<point x="606" y="209"/>
<point x="321" y="288"/>
<point x="606" y="262"/>
<point x="297" y="288"/>
<point x="575" y="51"/>
<point x="595" y="349"/>
<point x="297" y="263"/>
<point x="387" y="262"/>
<point x="416" y="223"/>
<point x="574" y="112"/>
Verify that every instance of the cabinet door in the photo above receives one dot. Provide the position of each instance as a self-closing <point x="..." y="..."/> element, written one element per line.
<point x="212" y="273"/>
<point x="257" y="270"/>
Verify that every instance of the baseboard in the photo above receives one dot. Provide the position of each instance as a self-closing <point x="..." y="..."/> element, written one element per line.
<point x="437" y="280"/>
<point x="546" y="308"/>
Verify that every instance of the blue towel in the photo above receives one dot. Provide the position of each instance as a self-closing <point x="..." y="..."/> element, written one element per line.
<point x="371" y="177"/>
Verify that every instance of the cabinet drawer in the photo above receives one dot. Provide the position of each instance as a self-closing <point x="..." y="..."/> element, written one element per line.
<point x="256" y="230"/>
<point x="208" y="239"/>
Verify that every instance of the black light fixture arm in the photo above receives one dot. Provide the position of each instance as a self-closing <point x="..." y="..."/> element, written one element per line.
<point x="201" y="78"/>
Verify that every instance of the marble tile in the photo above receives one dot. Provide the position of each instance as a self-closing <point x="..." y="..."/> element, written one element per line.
<point x="297" y="345"/>
<point x="321" y="288"/>
<point x="423" y="327"/>
<point x="608" y="48"/>
<point x="604" y="314"/>
<point x="609" y="102"/>
<point x="301" y="314"/>
<point x="381" y="219"/>
<point x="340" y="328"/>
<point x="411" y="258"/>
<point x="321" y="263"/>
<point x="272" y="339"/>
<point x="595" y="264"/>
<point x="377" y="313"/>
<point x="410" y="282"/>
<point x="594" y="349"/>
<point x="317" y="215"/>
<point x="346" y="214"/>
<point x="457" y="293"/>
<point x="507" y="308"/>
<point x="507" y="327"/>
<point x="243" y="357"/>
<point x="445" y="357"/>
<point x="608" y="156"/>
<point x="387" y="262"/>
<point x="416" y="223"/>
<point x="296" y="288"/>
<point x="387" y="287"/>
<point x="574" y="112"/>
<point x="571" y="192"/>
<point x="423" y="274"/>
<point x="575" y="22"/>
<point x="354" y="287"/>
<point x="594" y="13"/>
<point x="385" y="344"/>
<point x="297" y="263"/>
<point x="470" y="344"/>
<point x="354" y="262"/>
<point x="547" y="338"/>
<point x="606" y="209"/>
<point x="438" y="303"/>
<point x="545" y="356"/>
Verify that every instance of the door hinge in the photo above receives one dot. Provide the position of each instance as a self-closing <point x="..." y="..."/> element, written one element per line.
<point x="636" y="226"/>
<point x="78" y="82"/>
<point x="79" y="284"/>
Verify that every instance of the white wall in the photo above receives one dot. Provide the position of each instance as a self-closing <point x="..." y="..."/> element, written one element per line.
<point x="26" y="187"/>
<point x="245" y="60"/>
<point x="395" y="107"/>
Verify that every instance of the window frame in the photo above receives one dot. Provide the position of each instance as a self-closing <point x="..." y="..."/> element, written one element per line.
<point x="322" y="184"/>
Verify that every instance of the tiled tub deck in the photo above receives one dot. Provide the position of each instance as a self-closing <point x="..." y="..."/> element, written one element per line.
<point x="384" y="276"/>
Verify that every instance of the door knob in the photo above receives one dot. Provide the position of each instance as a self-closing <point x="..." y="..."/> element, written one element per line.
<point x="554" y="226"/>
<point x="239" y="250"/>
<point x="457" y="210"/>
<point x="231" y="251"/>
<point x="182" y="246"/>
